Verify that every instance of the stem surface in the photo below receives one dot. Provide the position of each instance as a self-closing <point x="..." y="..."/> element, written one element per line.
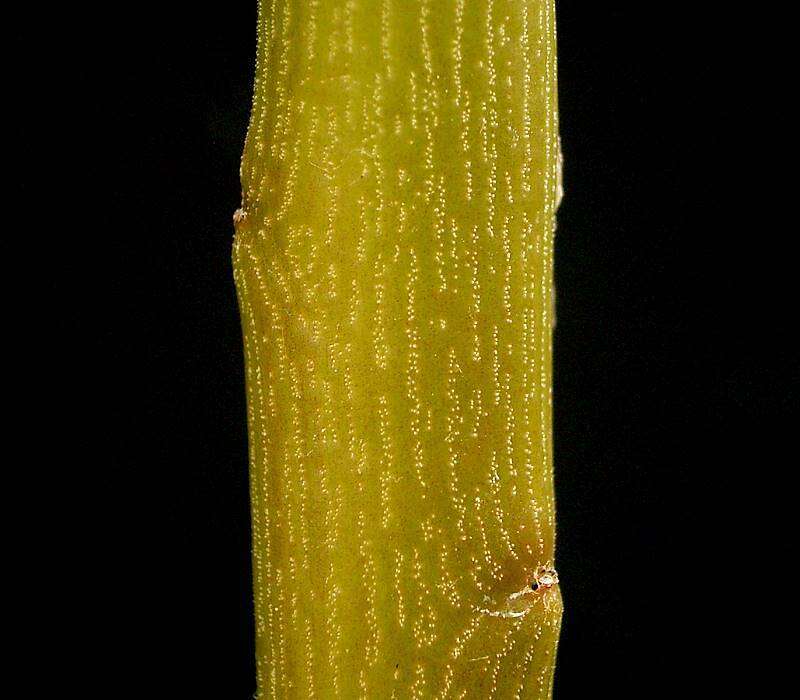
<point x="393" y="260"/>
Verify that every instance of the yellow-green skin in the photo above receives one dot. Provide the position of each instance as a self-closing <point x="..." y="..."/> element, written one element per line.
<point x="393" y="259"/>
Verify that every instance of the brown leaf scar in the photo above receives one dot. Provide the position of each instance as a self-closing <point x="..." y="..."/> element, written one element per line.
<point x="545" y="577"/>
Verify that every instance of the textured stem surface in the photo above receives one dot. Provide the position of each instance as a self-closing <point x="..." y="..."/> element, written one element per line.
<point x="393" y="259"/>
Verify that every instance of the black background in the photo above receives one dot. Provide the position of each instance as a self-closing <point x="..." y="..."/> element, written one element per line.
<point x="647" y="404"/>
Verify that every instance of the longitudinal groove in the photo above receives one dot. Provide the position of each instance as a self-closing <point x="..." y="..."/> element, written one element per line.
<point x="393" y="259"/>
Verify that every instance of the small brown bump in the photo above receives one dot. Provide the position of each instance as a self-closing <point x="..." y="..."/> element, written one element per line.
<point x="545" y="577"/>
